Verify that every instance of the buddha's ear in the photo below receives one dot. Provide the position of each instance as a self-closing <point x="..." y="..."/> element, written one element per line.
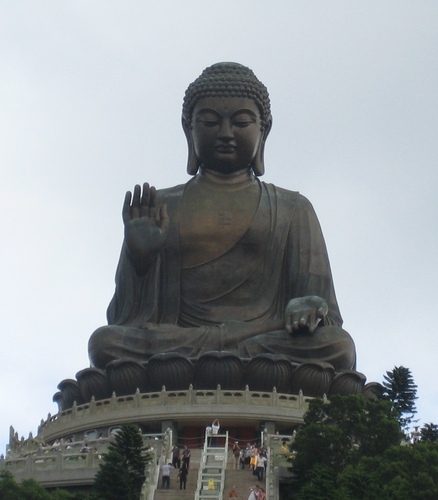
<point x="258" y="165"/>
<point x="192" y="162"/>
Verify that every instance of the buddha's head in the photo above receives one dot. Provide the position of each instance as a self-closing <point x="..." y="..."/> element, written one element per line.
<point x="226" y="118"/>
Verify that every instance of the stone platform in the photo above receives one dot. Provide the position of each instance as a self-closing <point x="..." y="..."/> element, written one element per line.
<point x="189" y="407"/>
<point x="55" y="456"/>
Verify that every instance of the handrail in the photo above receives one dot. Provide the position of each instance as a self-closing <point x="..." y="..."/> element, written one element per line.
<point x="220" y="457"/>
<point x="273" y="442"/>
<point x="153" y="468"/>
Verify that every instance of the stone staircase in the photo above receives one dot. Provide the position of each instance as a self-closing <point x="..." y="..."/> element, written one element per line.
<point x="174" y="493"/>
<point x="242" y="479"/>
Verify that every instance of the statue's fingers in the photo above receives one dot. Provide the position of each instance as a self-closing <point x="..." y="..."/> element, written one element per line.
<point x="304" y="320"/>
<point x="163" y="218"/>
<point x="152" y="197"/>
<point x="313" y="322"/>
<point x="135" y="203"/>
<point x="144" y="201"/>
<point x="126" y="210"/>
<point x="321" y="312"/>
<point x="295" y="322"/>
<point x="137" y="194"/>
<point x="153" y="203"/>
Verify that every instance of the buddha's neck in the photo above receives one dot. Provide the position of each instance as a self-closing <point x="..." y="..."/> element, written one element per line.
<point x="234" y="181"/>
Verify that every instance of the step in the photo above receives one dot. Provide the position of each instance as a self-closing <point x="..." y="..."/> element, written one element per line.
<point x="174" y="493"/>
<point x="243" y="479"/>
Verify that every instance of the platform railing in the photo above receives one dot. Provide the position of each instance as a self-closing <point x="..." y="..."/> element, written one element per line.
<point x="190" y="397"/>
<point x="37" y="463"/>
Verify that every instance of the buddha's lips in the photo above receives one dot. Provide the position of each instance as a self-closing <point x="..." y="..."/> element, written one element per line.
<point x="225" y="148"/>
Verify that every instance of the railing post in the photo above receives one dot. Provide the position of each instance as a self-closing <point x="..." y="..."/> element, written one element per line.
<point x="274" y="397"/>
<point x="74" y="410"/>
<point x="247" y="398"/>
<point x="113" y="401"/>
<point x="92" y="405"/>
<point x="190" y="395"/>
<point x="163" y="396"/>
<point x="137" y="398"/>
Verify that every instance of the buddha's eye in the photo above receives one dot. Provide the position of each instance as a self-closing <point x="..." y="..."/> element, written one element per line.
<point x="243" y="120"/>
<point x="210" y="123"/>
<point x="208" y="119"/>
<point x="242" y="123"/>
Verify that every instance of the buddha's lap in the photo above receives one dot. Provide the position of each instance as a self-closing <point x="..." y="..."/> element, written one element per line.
<point x="328" y="343"/>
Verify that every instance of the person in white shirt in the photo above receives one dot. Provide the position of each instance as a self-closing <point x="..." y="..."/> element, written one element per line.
<point x="165" y="476"/>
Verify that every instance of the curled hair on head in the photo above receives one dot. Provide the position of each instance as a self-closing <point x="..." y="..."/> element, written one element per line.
<point x="227" y="79"/>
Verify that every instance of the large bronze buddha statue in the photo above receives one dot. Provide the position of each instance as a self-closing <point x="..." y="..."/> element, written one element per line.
<point x="225" y="265"/>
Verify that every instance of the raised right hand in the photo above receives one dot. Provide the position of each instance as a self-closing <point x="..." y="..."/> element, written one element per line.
<point x="146" y="225"/>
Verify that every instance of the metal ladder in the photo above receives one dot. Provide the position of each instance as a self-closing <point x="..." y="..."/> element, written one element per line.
<point x="211" y="477"/>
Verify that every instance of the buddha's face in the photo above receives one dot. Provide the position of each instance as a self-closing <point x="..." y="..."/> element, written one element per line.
<point x="226" y="133"/>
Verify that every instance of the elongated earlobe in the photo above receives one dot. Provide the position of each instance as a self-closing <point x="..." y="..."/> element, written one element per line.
<point x="192" y="162"/>
<point x="258" y="164"/>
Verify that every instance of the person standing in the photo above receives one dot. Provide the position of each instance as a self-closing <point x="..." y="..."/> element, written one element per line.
<point x="284" y="448"/>
<point x="236" y="455"/>
<point x="253" y="459"/>
<point x="176" y="461"/>
<point x="183" y="473"/>
<point x="248" y="455"/>
<point x="186" y="457"/>
<point x="215" y="426"/>
<point x="214" y="431"/>
<point x="260" y="466"/>
<point x="165" y="476"/>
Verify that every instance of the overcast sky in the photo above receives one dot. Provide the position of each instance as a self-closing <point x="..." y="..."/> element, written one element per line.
<point x="90" y="104"/>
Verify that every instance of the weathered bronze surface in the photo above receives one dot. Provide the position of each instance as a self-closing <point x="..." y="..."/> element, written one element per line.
<point x="225" y="262"/>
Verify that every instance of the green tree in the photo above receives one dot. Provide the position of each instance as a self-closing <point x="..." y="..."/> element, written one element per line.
<point x="400" y="473"/>
<point x="400" y="389"/>
<point x="338" y="434"/>
<point x="122" y="472"/>
<point x="429" y="433"/>
<point x="28" y="489"/>
<point x="350" y="448"/>
<point x="9" y="488"/>
<point x="320" y="484"/>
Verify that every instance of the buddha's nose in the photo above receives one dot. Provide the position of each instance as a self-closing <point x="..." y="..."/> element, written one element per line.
<point x="225" y="130"/>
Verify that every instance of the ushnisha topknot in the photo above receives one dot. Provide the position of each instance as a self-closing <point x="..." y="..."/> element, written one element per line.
<point x="227" y="79"/>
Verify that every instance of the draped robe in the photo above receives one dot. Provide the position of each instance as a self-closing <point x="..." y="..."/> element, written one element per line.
<point x="234" y="302"/>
